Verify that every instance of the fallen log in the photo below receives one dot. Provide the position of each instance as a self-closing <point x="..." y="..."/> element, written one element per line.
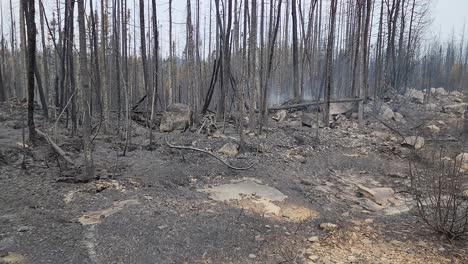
<point x="282" y="107"/>
<point x="57" y="149"/>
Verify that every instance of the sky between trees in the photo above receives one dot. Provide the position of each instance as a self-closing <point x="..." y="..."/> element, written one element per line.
<point x="448" y="16"/>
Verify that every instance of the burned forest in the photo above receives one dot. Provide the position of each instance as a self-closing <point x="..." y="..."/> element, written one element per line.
<point x="233" y="131"/>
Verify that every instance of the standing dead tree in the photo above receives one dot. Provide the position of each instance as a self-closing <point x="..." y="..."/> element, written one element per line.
<point x="85" y="88"/>
<point x="329" y="60"/>
<point x="29" y="13"/>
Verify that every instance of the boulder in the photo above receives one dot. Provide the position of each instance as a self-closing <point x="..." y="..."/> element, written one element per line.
<point x="399" y="118"/>
<point x="280" y="115"/>
<point x="439" y="91"/>
<point x="431" y="107"/>
<point x="413" y="142"/>
<point x="176" y="117"/>
<point x="386" y="112"/>
<point x="415" y="96"/>
<point x="455" y="108"/>
<point x="432" y="129"/>
<point x="341" y="108"/>
<point x="229" y="149"/>
<point x="462" y="159"/>
<point x="310" y="120"/>
<point x="456" y="94"/>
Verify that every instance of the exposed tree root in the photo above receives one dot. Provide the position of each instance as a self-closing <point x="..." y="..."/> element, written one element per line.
<point x="209" y="153"/>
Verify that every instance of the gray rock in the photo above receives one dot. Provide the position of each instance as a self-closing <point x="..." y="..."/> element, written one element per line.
<point x="439" y="91"/>
<point x="328" y="226"/>
<point x="341" y="108"/>
<point x="176" y="117"/>
<point x="415" y="96"/>
<point x="229" y="149"/>
<point x="386" y="112"/>
<point x="413" y="142"/>
<point x="432" y="129"/>
<point x="280" y="115"/>
<point x="454" y="109"/>
<point x="310" y="120"/>
<point x="313" y="239"/>
<point x="431" y="107"/>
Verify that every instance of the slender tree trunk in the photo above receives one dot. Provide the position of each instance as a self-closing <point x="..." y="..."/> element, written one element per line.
<point x="253" y="65"/>
<point x="45" y="54"/>
<point x="329" y="62"/>
<point x="84" y="77"/>
<point x="296" y="87"/>
<point x="29" y="13"/>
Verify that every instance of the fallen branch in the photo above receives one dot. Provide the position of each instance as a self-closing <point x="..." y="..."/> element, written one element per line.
<point x="209" y="153"/>
<point x="57" y="149"/>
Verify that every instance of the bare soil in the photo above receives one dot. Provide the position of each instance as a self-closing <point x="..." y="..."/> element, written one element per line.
<point x="151" y="205"/>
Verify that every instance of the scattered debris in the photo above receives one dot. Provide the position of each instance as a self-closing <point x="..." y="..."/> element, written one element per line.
<point x="96" y="217"/>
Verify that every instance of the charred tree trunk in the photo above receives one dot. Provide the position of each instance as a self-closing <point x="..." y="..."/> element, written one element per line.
<point x="29" y="13"/>
<point x="85" y="87"/>
<point x="329" y="61"/>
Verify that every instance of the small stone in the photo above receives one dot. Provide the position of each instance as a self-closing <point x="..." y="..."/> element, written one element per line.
<point x="306" y="182"/>
<point x="268" y="226"/>
<point x="313" y="257"/>
<point x="422" y="244"/>
<point x="300" y="158"/>
<point x="352" y="259"/>
<point x="24" y="228"/>
<point x="433" y="129"/>
<point x="399" y="117"/>
<point x="313" y="239"/>
<point x="161" y="227"/>
<point x="229" y="149"/>
<point x="366" y="241"/>
<point x="396" y="242"/>
<point x="441" y="249"/>
<point x="259" y="238"/>
<point x="328" y="226"/>
<point x="252" y="256"/>
<point x="369" y="221"/>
